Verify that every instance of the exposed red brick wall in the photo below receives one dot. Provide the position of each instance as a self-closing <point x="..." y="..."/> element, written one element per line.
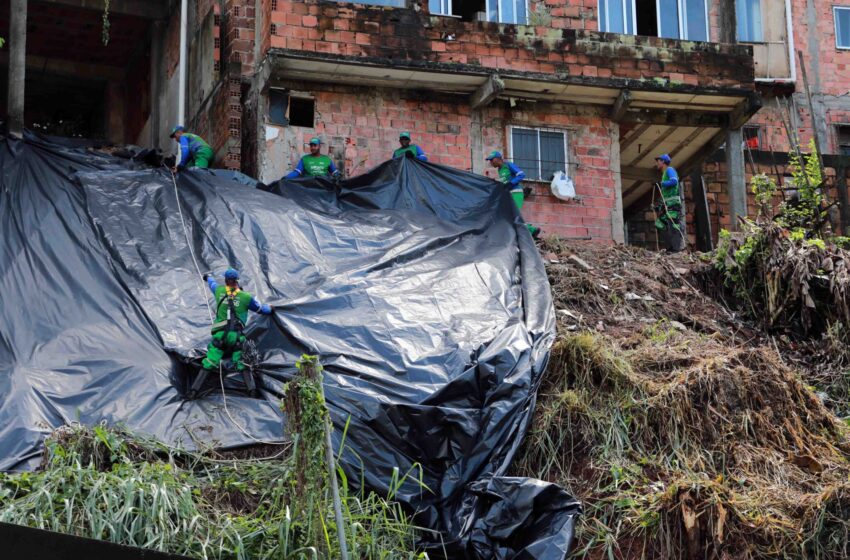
<point x="360" y="129"/>
<point x="590" y="144"/>
<point x="399" y="34"/>
<point x="220" y="120"/>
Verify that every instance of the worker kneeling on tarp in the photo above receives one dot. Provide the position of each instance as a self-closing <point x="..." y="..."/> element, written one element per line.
<point x="232" y="306"/>
<point x="194" y="151"/>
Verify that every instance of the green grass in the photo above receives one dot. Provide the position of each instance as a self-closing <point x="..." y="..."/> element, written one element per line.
<point x="109" y="485"/>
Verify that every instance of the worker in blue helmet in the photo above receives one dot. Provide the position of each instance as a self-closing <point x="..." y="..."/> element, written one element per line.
<point x="670" y="209"/>
<point x="194" y="151"/>
<point x="511" y="176"/>
<point x="231" y="315"/>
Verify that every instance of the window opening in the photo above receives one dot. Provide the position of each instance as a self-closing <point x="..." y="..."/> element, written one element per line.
<point x="752" y="137"/>
<point x="539" y="152"/>
<point x="843" y="134"/>
<point x="674" y="19"/>
<point x="842" y="27"/>
<point x="302" y="111"/>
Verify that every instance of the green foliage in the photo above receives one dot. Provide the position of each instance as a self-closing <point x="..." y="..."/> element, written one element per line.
<point x="806" y="212"/>
<point x="107" y="484"/>
<point x="304" y="405"/>
<point x="764" y="189"/>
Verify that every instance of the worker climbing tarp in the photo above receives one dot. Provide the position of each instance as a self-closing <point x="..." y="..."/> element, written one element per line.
<point x="417" y="285"/>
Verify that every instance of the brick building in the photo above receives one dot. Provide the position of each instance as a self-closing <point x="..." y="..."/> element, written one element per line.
<point x="796" y="43"/>
<point x="593" y="87"/>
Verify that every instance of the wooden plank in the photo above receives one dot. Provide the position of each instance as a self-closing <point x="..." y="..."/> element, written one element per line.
<point x="630" y="139"/>
<point x="654" y="144"/>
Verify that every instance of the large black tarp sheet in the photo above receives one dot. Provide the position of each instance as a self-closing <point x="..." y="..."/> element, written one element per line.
<point x="417" y="285"/>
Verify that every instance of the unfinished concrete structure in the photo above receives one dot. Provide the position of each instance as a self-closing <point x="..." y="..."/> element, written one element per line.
<point x="115" y="75"/>
<point x="584" y="86"/>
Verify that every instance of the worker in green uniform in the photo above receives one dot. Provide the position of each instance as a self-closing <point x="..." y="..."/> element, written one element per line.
<point x="670" y="210"/>
<point x="512" y="176"/>
<point x="194" y="151"/>
<point x="407" y="149"/>
<point x="232" y="306"/>
<point x="314" y="164"/>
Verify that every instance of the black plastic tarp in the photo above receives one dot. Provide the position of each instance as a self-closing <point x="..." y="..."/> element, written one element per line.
<point x="416" y="284"/>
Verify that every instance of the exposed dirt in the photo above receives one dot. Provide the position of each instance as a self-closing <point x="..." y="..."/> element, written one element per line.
<point x="688" y="431"/>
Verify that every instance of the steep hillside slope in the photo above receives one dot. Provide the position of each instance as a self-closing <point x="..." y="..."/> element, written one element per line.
<point x="682" y="427"/>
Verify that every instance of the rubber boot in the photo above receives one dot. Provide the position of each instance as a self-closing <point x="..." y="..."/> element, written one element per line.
<point x="248" y="376"/>
<point x="198" y="384"/>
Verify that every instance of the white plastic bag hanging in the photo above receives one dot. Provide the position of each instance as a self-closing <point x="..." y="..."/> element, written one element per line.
<point x="562" y="186"/>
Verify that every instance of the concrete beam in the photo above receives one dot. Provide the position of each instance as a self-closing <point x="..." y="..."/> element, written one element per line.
<point x="147" y="9"/>
<point x="621" y="105"/>
<point x="17" y="66"/>
<point x="69" y="68"/>
<point x="487" y="92"/>
<point x="678" y="118"/>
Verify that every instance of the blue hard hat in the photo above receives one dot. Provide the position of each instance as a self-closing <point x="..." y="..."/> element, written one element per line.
<point x="494" y="154"/>
<point x="176" y="129"/>
<point x="231" y="274"/>
<point x="664" y="157"/>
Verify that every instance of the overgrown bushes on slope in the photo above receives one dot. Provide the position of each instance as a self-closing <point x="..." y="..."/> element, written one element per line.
<point x="679" y="425"/>
<point x="685" y="448"/>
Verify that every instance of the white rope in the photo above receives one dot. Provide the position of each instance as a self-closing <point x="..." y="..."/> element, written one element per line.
<point x="235" y="423"/>
<point x="209" y="308"/>
<point x="191" y="250"/>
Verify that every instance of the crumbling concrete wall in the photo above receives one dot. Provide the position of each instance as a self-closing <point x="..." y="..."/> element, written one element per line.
<point x="405" y="34"/>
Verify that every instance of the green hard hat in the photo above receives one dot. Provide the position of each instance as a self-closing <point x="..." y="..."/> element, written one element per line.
<point x="315" y="140"/>
<point x="404" y="135"/>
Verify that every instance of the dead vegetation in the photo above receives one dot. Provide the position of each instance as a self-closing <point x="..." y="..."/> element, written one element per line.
<point x="680" y="425"/>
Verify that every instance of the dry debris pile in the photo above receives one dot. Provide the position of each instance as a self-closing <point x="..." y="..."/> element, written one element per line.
<point x="680" y="425"/>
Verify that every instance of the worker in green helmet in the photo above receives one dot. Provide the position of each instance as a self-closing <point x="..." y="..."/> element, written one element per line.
<point x="670" y="210"/>
<point x="232" y="306"/>
<point x="194" y="151"/>
<point x="511" y="176"/>
<point x="407" y="149"/>
<point x="314" y="164"/>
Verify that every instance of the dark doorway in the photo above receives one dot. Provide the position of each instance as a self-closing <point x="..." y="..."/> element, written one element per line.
<point x="647" y="17"/>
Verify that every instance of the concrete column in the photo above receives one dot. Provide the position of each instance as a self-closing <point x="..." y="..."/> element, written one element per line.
<point x="17" y="66"/>
<point x="736" y="181"/>
<point x="157" y="73"/>
<point x="184" y="62"/>
<point x="476" y="142"/>
<point x="618" y="226"/>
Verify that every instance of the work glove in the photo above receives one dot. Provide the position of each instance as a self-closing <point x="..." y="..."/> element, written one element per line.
<point x="206" y="276"/>
<point x="409" y="155"/>
<point x="265" y="309"/>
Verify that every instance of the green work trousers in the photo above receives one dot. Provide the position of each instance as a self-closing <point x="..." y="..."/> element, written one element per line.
<point x="202" y="158"/>
<point x="225" y="343"/>
<point x="519" y="200"/>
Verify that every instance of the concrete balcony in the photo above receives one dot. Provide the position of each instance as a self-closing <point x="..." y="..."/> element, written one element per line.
<point x="398" y="47"/>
